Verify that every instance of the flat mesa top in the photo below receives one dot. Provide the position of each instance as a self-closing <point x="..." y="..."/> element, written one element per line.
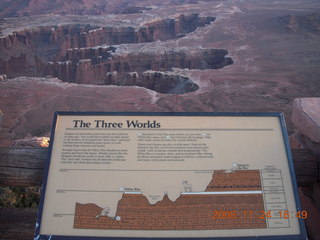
<point x="170" y="175"/>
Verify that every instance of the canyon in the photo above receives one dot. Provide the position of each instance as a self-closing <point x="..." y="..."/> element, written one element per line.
<point x="157" y="56"/>
<point x="168" y="56"/>
<point x="73" y="53"/>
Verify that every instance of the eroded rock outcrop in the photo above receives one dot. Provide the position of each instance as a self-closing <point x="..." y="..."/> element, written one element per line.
<point x="73" y="53"/>
<point x="26" y="48"/>
<point x="158" y="81"/>
<point x="306" y="118"/>
<point x="90" y="66"/>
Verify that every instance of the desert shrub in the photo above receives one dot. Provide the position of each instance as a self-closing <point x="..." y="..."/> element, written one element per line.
<point x="19" y="197"/>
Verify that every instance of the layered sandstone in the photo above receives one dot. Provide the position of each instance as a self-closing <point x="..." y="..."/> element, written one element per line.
<point x="92" y="66"/>
<point x="23" y="50"/>
<point x="157" y="81"/>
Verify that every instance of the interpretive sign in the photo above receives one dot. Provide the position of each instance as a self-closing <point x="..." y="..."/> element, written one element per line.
<point x="170" y="175"/>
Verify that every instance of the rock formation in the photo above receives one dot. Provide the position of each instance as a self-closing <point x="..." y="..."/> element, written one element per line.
<point x="36" y="100"/>
<point x="23" y="50"/>
<point x="306" y="118"/>
<point x="91" y="66"/>
<point x="73" y="53"/>
<point x="158" y="81"/>
<point x="145" y="60"/>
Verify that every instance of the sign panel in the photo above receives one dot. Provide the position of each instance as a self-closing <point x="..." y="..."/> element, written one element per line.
<point x="170" y="175"/>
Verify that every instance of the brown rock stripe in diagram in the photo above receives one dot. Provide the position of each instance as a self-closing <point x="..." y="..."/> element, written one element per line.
<point x="240" y="180"/>
<point x="188" y="212"/>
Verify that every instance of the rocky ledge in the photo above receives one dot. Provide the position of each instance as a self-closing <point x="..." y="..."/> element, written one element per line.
<point x="306" y="119"/>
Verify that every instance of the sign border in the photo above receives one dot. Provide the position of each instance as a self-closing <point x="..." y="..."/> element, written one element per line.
<point x="280" y="115"/>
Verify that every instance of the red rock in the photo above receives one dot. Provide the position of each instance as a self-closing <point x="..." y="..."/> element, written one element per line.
<point x="90" y="63"/>
<point x="262" y="78"/>
<point x="28" y="104"/>
<point x="315" y="147"/>
<point x="83" y="65"/>
<point x="296" y="141"/>
<point x="267" y="75"/>
<point x="306" y="117"/>
<point x="313" y="219"/>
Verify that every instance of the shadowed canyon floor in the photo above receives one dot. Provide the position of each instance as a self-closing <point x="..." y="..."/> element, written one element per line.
<point x="150" y="56"/>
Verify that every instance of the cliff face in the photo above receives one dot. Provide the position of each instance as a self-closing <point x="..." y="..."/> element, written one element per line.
<point x="276" y="58"/>
<point x="52" y="42"/>
<point x="173" y="28"/>
<point x="21" y="51"/>
<point x="157" y="81"/>
<point x="102" y="66"/>
<point x="19" y="64"/>
<point x="163" y="29"/>
<point x="72" y="52"/>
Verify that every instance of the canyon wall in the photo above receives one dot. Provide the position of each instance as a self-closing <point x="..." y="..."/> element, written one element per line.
<point x="93" y="66"/>
<point x="157" y="81"/>
<point x="82" y="53"/>
<point x="27" y="48"/>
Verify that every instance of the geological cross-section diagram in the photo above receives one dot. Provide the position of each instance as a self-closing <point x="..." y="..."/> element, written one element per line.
<point x="232" y="200"/>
